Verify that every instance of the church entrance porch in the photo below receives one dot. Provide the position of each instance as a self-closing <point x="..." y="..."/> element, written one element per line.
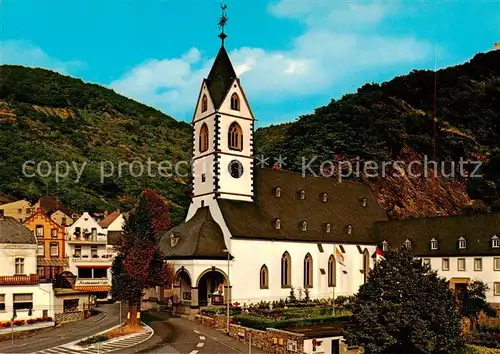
<point x="211" y="288"/>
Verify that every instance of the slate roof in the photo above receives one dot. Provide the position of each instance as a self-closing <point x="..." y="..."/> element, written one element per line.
<point x="342" y="208"/>
<point x="12" y="231"/>
<point x="108" y="220"/>
<point x="476" y="229"/>
<point x="200" y="237"/>
<point x="220" y="78"/>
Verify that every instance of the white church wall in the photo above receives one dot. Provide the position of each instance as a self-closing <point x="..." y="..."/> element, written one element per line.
<point x="226" y="104"/>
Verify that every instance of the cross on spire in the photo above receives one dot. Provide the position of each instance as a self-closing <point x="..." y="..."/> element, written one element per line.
<point x="222" y="23"/>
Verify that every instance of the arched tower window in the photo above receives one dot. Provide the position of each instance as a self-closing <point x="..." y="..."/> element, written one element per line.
<point x="264" y="277"/>
<point x="235" y="102"/>
<point x="308" y="271"/>
<point x="235" y="137"/>
<point x="328" y="228"/>
<point x="286" y="270"/>
<point x="277" y="224"/>
<point x="366" y="264"/>
<point x="304" y="226"/>
<point x="332" y="272"/>
<point x="204" y="103"/>
<point x="203" y="138"/>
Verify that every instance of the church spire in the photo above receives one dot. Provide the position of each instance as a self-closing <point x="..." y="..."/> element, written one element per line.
<point x="222" y="23"/>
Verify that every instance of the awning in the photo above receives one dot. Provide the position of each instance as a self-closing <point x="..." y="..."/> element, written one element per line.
<point x="52" y="262"/>
<point x="106" y="266"/>
<point x="93" y="288"/>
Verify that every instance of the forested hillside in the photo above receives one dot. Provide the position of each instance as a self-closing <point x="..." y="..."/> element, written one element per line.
<point x="394" y="120"/>
<point x="45" y="116"/>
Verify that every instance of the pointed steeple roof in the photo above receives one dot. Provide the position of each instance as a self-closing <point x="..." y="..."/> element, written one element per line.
<point x="221" y="77"/>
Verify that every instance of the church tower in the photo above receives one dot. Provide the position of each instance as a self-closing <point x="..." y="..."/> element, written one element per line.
<point x="223" y="126"/>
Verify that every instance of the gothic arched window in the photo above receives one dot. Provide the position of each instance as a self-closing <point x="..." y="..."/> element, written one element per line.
<point x="304" y="226"/>
<point x="332" y="276"/>
<point x="235" y="137"/>
<point x="286" y="270"/>
<point x="203" y="138"/>
<point x="204" y="104"/>
<point x="308" y="271"/>
<point x="235" y="102"/>
<point x="264" y="277"/>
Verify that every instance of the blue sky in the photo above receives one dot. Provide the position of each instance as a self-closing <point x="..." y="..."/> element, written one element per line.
<point x="292" y="56"/>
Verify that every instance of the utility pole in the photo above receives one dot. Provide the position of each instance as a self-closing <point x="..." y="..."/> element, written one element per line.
<point x="334" y="277"/>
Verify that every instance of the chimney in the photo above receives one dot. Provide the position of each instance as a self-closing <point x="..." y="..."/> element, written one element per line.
<point x="1" y="214"/>
<point x="106" y="213"/>
<point x="118" y="210"/>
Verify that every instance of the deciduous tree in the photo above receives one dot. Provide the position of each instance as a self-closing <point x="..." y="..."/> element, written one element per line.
<point x="405" y="308"/>
<point x="473" y="301"/>
<point x="139" y="264"/>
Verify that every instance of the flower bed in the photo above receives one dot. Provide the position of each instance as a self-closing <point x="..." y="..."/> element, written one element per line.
<point x="114" y="333"/>
<point x="18" y="323"/>
<point x="259" y="322"/>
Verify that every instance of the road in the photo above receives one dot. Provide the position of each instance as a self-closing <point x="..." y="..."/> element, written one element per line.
<point x="67" y="332"/>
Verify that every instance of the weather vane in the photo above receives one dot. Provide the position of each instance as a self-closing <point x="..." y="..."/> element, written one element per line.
<point x="222" y="23"/>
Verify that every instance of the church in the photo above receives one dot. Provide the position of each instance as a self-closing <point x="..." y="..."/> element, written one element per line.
<point x="253" y="233"/>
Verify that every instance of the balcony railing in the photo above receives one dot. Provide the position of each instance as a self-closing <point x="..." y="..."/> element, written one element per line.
<point x="88" y="240"/>
<point x="31" y="279"/>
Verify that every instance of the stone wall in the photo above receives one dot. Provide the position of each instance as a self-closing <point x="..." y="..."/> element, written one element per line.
<point x="69" y="317"/>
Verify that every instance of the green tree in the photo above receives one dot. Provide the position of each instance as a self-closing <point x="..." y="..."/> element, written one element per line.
<point x="473" y="301"/>
<point x="139" y="264"/>
<point x="405" y="308"/>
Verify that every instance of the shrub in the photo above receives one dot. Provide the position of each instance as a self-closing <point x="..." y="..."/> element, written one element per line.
<point x="262" y="323"/>
<point x="94" y="339"/>
<point x="31" y="321"/>
<point x="19" y="322"/>
<point x="6" y="325"/>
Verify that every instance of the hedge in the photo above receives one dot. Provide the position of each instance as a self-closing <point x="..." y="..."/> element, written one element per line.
<point x="258" y="322"/>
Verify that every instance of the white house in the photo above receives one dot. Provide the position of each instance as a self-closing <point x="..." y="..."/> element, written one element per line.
<point x="262" y="231"/>
<point x="89" y="257"/>
<point x="460" y="248"/>
<point x="20" y="286"/>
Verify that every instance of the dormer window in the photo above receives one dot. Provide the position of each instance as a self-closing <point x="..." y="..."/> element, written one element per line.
<point x="328" y="228"/>
<point x="363" y="202"/>
<point x="302" y="194"/>
<point x="324" y="197"/>
<point x="385" y="245"/>
<point x="278" y="192"/>
<point x="434" y="244"/>
<point x="407" y="244"/>
<point x="462" y="243"/>
<point x="277" y="224"/>
<point x="495" y="242"/>
<point x="304" y="225"/>
<point x="348" y="229"/>
<point x="174" y="239"/>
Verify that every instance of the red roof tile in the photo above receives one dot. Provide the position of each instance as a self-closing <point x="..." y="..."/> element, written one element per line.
<point x="108" y="220"/>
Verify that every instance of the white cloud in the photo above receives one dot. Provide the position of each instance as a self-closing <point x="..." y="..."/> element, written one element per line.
<point x="340" y="39"/>
<point x="20" y="52"/>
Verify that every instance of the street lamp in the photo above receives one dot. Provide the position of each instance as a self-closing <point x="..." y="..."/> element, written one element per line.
<point x="228" y="289"/>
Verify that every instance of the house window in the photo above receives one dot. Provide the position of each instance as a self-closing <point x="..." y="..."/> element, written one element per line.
<point x="39" y="230"/>
<point x="304" y="226"/>
<point x="2" y="302"/>
<point x="277" y="224"/>
<point x="100" y="273"/>
<point x="308" y="272"/>
<point x="204" y="103"/>
<point x="446" y="264"/>
<point x="94" y="234"/>
<point x="427" y="262"/>
<point x="366" y="264"/>
<point x="40" y="251"/>
<point x="363" y="202"/>
<point x="407" y="244"/>
<point x="203" y="178"/>
<point x="385" y="246"/>
<point x="53" y="233"/>
<point x="235" y="137"/>
<point x="203" y="138"/>
<point x="495" y="242"/>
<point x="264" y="277"/>
<point x="286" y="270"/>
<point x="302" y="195"/>
<point x="324" y="197"/>
<point x="328" y="228"/>
<point x="41" y="272"/>
<point x="496" y="289"/>
<point x="278" y="192"/>
<point x="19" y="262"/>
<point x="478" y="264"/>
<point x="332" y="272"/>
<point x="78" y="251"/>
<point x="54" y="250"/>
<point x="349" y="229"/>
<point x="461" y="264"/>
<point x="434" y="244"/>
<point x="496" y="264"/>
<point x="70" y="305"/>
<point x="93" y="252"/>
<point x="202" y="203"/>
<point x="23" y="301"/>
<point x="235" y="102"/>
<point x="462" y="244"/>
